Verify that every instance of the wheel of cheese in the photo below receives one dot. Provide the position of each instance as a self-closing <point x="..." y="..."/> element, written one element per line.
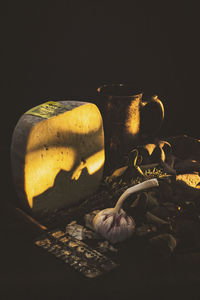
<point x="57" y="154"/>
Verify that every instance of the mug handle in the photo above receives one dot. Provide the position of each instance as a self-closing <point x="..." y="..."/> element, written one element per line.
<point x="152" y="116"/>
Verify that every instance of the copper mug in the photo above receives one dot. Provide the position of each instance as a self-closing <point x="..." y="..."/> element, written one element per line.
<point x="128" y="120"/>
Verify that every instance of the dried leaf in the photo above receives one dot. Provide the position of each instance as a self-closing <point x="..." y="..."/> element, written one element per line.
<point x="154" y="219"/>
<point x="152" y="200"/>
<point x="145" y="229"/>
<point x="164" y="244"/>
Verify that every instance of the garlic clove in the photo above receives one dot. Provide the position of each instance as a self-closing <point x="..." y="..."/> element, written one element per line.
<point x="107" y="223"/>
<point x="123" y="222"/>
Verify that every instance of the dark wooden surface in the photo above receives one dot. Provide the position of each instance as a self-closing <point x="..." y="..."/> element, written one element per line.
<point x="28" y="272"/>
<point x="66" y="50"/>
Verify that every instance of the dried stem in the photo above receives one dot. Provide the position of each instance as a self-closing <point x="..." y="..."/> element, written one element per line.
<point x="134" y="189"/>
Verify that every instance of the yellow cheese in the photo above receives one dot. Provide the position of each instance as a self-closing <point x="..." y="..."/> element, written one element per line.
<point x="57" y="154"/>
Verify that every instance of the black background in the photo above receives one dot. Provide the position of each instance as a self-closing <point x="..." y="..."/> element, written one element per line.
<point x="66" y="49"/>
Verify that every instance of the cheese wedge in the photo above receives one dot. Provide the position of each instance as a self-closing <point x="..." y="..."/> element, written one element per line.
<point x="57" y="154"/>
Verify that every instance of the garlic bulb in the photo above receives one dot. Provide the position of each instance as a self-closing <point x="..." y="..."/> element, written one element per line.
<point x="113" y="223"/>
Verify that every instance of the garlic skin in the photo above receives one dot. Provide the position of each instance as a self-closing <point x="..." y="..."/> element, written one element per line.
<point x="115" y="227"/>
<point x="113" y="223"/>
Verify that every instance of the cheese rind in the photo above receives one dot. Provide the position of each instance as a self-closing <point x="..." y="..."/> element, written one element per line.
<point x="57" y="159"/>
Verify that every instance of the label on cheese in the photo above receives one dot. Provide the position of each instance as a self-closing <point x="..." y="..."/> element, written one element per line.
<point x="49" y="109"/>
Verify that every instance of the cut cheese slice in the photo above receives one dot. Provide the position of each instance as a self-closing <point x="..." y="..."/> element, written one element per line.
<point x="57" y="154"/>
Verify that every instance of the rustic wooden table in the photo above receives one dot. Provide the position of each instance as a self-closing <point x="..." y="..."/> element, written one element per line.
<point x="28" y="272"/>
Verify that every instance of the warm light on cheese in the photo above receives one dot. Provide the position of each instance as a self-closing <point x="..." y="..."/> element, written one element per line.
<point x="57" y="161"/>
<point x="41" y="169"/>
<point x="92" y="163"/>
<point x="95" y="162"/>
